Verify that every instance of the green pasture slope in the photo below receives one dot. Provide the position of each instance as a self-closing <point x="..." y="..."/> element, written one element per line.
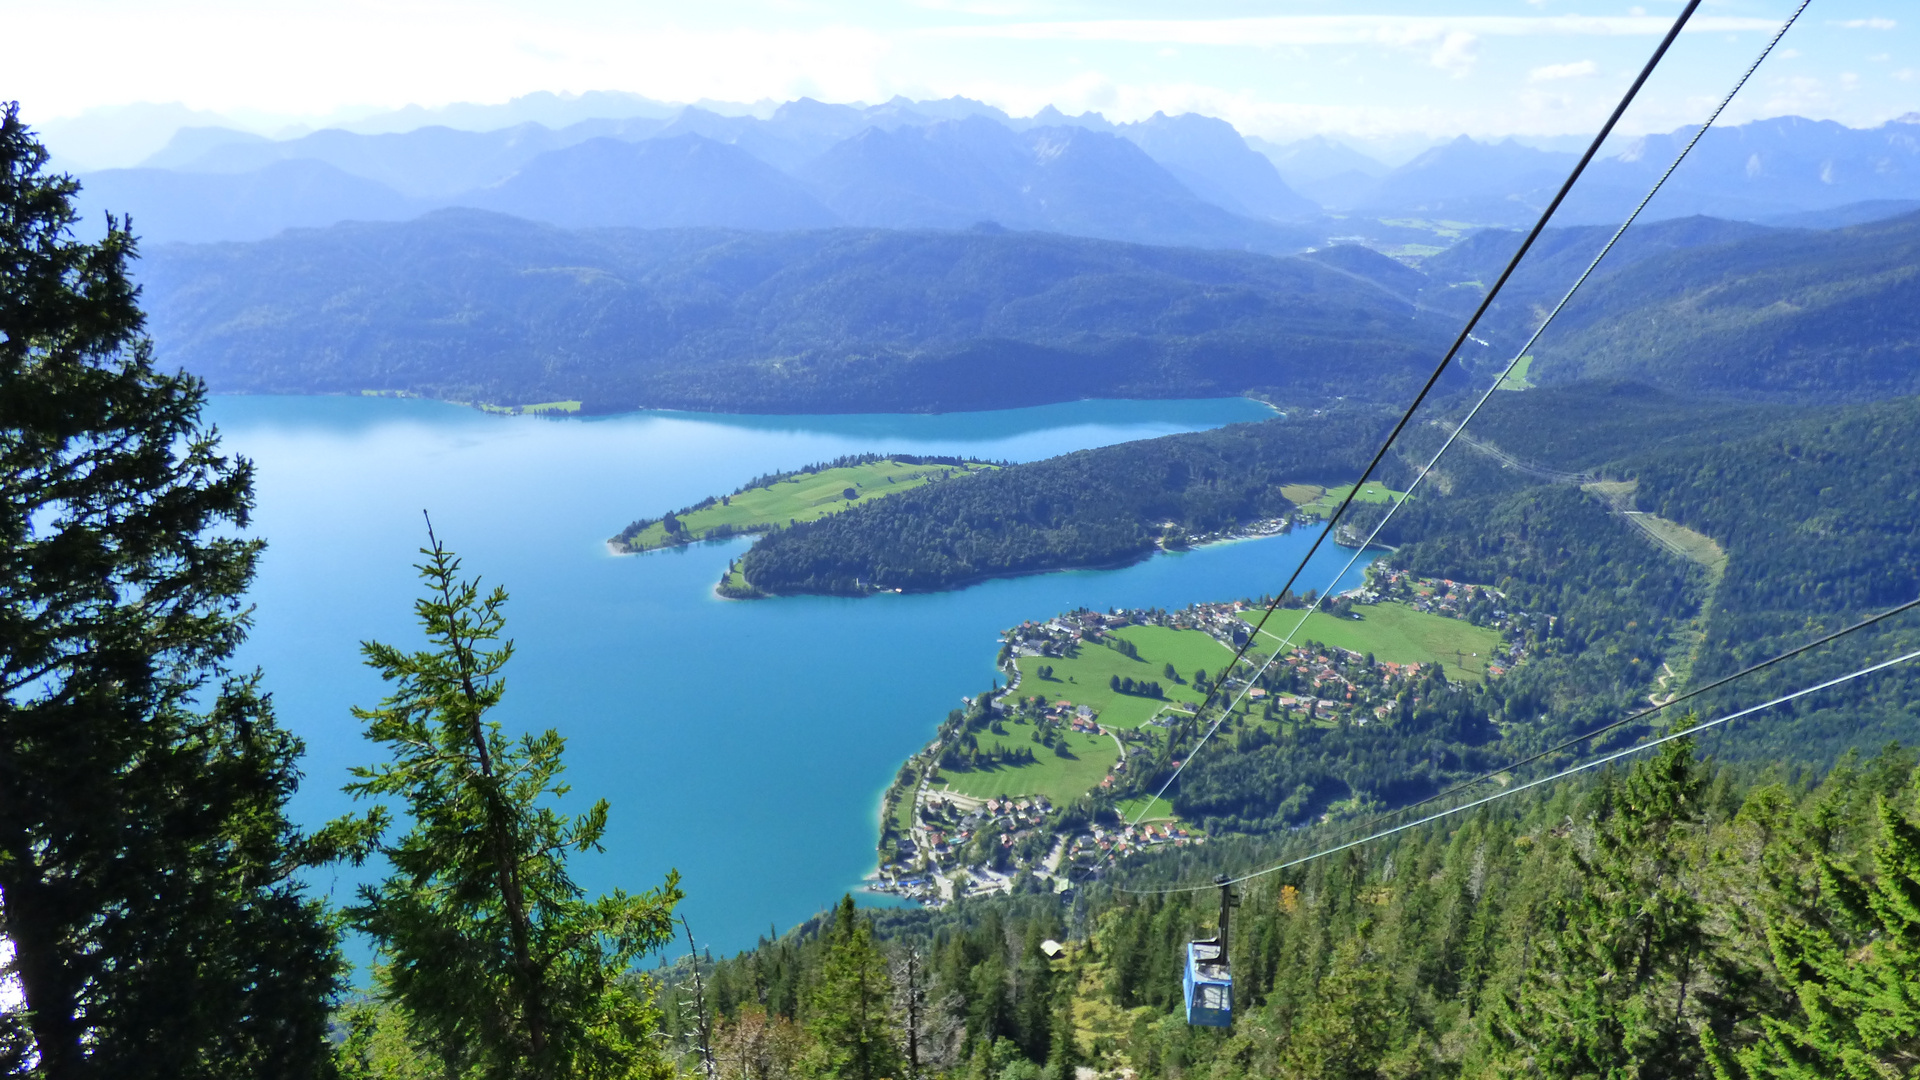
<point x="1517" y="378"/>
<point x="1083" y="679"/>
<point x="800" y="497"/>
<point x="1322" y="502"/>
<point x="1060" y="779"/>
<point x="1395" y="633"/>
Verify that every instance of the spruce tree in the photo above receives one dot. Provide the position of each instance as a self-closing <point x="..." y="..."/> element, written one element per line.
<point x="499" y="964"/>
<point x="1348" y="1029"/>
<point x="1607" y="993"/>
<point x="1852" y="963"/>
<point x="146" y="861"/>
<point x="850" y="1012"/>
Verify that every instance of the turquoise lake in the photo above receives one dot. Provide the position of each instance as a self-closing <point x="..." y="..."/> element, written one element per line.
<point x="745" y="743"/>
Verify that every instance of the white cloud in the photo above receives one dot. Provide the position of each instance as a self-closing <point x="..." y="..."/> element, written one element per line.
<point x="1562" y="71"/>
<point x="1270" y="31"/>
<point x="1863" y="24"/>
<point x="1454" y="54"/>
<point x="304" y="58"/>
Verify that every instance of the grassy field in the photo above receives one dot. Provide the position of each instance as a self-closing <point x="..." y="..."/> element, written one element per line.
<point x="1129" y="810"/>
<point x="1083" y="679"/>
<point x="903" y="811"/>
<point x="1395" y="633"/>
<point x="1517" y="378"/>
<point x="804" y="497"/>
<point x="1321" y="502"/>
<point x="566" y="407"/>
<point x="1061" y="780"/>
<point x="1697" y="546"/>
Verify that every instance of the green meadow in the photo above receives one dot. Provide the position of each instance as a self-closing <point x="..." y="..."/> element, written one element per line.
<point x="1322" y="501"/>
<point x="1130" y="810"/>
<point x="536" y="409"/>
<point x="801" y="497"/>
<point x="1083" y="679"/>
<point x="1517" y="378"/>
<point x="1395" y="633"/>
<point x="1060" y="779"/>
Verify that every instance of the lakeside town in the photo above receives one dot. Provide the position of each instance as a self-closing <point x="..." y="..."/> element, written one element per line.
<point x="941" y="840"/>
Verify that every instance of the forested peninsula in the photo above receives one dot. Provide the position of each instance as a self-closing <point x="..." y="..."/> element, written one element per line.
<point x="1097" y="507"/>
<point x="781" y="500"/>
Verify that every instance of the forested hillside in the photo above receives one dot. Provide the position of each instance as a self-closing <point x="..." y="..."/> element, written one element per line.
<point x="469" y="306"/>
<point x="1825" y="316"/>
<point x="1678" y="918"/>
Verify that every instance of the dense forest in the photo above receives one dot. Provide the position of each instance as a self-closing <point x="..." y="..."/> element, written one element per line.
<point x="471" y="306"/>
<point x="1800" y="315"/>
<point x="1675" y="918"/>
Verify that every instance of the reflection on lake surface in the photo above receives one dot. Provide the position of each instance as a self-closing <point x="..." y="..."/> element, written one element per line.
<point x="745" y="743"/>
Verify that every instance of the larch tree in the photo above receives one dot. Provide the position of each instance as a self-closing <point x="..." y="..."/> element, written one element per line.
<point x="147" y="866"/>
<point x="494" y="959"/>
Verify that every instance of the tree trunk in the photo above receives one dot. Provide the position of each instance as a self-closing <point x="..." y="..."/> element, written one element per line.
<point x="31" y="911"/>
<point x="519" y="930"/>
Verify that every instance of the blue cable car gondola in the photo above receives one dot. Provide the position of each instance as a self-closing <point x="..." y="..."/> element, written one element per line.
<point x="1207" y="982"/>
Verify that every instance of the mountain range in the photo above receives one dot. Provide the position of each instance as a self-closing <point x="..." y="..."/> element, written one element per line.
<point x="1183" y="180"/>
<point x="1172" y="180"/>
<point x="472" y="306"/>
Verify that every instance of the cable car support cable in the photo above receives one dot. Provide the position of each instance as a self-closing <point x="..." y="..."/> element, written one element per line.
<point x="1466" y="331"/>
<point x="1487" y="395"/>
<point x="1530" y="785"/>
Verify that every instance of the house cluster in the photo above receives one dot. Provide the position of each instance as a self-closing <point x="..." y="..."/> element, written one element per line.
<point x="1060" y="633"/>
<point x="1015" y="812"/>
<point x="1103" y="840"/>
<point x="1263" y="527"/>
<point x="1312" y="682"/>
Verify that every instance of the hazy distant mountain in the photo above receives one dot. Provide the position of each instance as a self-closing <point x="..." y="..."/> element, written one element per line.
<point x="1754" y="171"/>
<point x="1329" y="172"/>
<point x="118" y="136"/>
<point x="543" y="107"/>
<point x="427" y="163"/>
<point x="1465" y="180"/>
<point x="473" y="306"/>
<point x="659" y="183"/>
<point x="1061" y="179"/>
<point x="1839" y="217"/>
<point x="1761" y="169"/>
<point x="190" y="144"/>
<point x="197" y="207"/>
<point x="1215" y="163"/>
<point x="799" y="131"/>
<point x="1201" y="161"/>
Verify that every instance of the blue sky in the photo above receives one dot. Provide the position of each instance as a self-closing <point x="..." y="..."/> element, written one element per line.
<point x="1281" y="68"/>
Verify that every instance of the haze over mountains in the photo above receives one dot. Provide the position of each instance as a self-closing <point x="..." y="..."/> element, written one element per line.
<point x="1186" y="180"/>
<point x="944" y="255"/>
<point x="467" y="306"/>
